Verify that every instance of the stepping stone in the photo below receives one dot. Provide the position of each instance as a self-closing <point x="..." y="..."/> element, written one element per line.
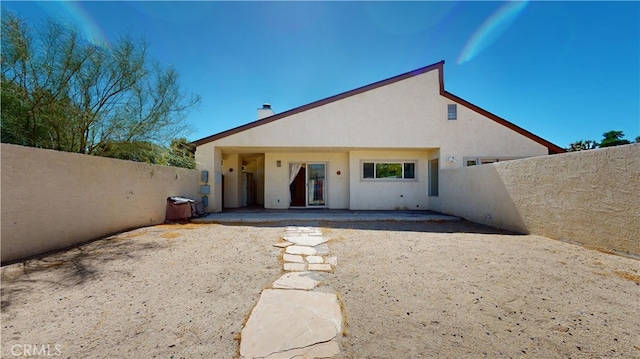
<point x="315" y="234"/>
<point x="298" y="280"/>
<point x="295" y="249"/>
<point x="305" y="240"/>
<point x="314" y="259"/>
<point x="293" y="234"/>
<point x="294" y="267"/>
<point x="285" y="320"/>
<point x="320" y="267"/>
<point x="322" y="249"/>
<point x="332" y="260"/>
<point x="282" y="244"/>
<point x="295" y="258"/>
<point x="320" y="350"/>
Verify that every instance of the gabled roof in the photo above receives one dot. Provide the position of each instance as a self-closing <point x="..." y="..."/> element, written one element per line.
<point x="553" y="149"/>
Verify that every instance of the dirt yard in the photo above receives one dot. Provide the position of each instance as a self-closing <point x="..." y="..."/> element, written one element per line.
<point x="410" y="290"/>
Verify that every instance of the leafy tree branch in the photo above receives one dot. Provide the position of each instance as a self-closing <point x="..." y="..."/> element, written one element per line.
<point x="62" y="92"/>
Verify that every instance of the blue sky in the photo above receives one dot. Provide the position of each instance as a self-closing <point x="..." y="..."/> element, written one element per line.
<point x="562" y="70"/>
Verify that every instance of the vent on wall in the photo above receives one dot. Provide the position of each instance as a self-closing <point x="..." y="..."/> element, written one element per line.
<point x="452" y="112"/>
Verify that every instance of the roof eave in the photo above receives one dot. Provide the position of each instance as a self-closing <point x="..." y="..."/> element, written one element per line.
<point x="312" y="105"/>
<point x="553" y="149"/>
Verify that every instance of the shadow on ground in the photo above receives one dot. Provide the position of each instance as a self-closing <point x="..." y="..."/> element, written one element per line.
<point x="87" y="262"/>
<point x="71" y="267"/>
<point x="458" y="226"/>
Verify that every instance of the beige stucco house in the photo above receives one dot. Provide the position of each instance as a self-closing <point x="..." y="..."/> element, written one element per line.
<point x="381" y="146"/>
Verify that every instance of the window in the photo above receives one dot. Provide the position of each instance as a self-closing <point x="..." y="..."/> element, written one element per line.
<point x="474" y="161"/>
<point x="452" y="112"/>
<point x="409" y="170"/>
<point x="433" y="178"/>
<point x="368" y="170"/>
<point x="388" y="170"/>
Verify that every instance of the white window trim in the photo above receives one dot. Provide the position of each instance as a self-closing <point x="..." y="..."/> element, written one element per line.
<point x="402" y="162"/>
<point x="493" y="159"/>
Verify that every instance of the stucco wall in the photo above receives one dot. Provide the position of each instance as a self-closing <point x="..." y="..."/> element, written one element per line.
<point x="388" y="194"/>
<point x="209" y="158"/>
<point x="402" y="115"/>
<point x="589" y="197"/>
<point x="52" y="200"/>
<point x="259" y="181"/>
<point x="277" y="178"/>
<point x="232" y="170"/>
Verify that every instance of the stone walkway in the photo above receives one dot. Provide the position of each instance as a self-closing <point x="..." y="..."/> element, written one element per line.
<point x="291" y="320"/>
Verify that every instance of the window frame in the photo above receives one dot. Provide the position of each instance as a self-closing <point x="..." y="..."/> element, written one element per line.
<point x="485" y="160"/>
<point x="433" y="186"/>
<point x="470" y="162"/>
<point x="402" y="164"/>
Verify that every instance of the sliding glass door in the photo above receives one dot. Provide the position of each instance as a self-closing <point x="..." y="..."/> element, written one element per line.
<point x="316" y="184"/>
<point x="307" y="184"/>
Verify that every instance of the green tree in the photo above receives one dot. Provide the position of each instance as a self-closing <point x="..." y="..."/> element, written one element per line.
<point x="181" y="153"/>
<point x="613" y="138"/>
<point x="582" y="145"/>
<point x="138" y="151"/>
<point x="61" y="92"/>
<point x="638" y="139"/>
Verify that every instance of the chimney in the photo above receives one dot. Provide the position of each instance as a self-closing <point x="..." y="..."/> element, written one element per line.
<point x="265" y="111"/>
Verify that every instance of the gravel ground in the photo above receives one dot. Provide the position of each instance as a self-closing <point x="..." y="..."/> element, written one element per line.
<point x="452" y="289"/>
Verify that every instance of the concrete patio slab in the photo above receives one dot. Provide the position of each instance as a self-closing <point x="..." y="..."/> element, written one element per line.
<point x="290" y="319"/>
<point x="292" y="215"/>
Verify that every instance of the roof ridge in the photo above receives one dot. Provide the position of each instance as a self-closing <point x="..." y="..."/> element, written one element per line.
<point x="322" y="102"/>
<point x="552" y="148"/>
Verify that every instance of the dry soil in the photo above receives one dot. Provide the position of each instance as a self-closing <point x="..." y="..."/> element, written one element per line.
<point x="409" y="290"/>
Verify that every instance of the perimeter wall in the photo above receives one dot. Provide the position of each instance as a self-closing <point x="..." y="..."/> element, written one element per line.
<point x="52" y="200"/>
<point x="589" y="197"/>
